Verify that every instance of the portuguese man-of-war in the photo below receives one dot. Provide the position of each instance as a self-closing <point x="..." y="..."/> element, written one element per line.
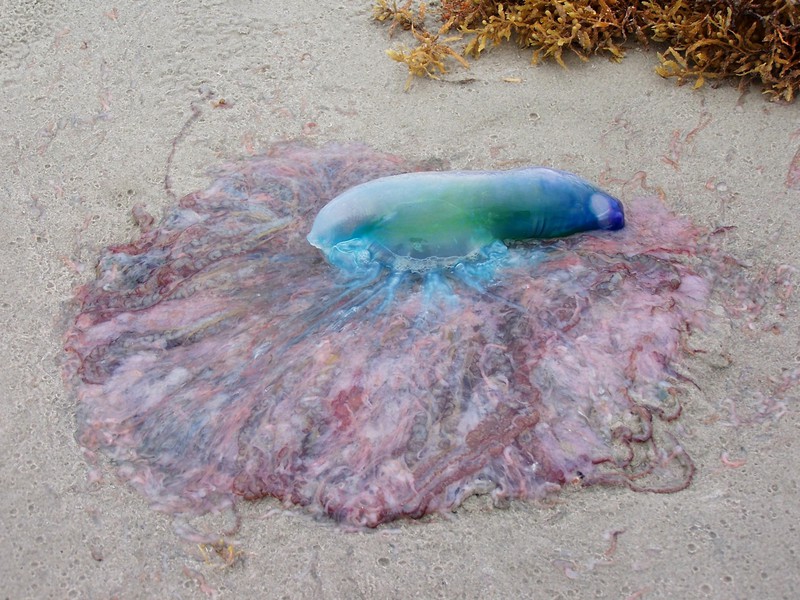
<point x="446" y="354"/>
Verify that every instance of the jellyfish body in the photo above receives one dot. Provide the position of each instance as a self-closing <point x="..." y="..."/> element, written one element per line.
<point x="423" y="221"/>
<point x="218" y="358"/>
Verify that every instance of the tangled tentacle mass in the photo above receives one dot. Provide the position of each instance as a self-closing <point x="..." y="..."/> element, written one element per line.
<point x="219" y="356"/>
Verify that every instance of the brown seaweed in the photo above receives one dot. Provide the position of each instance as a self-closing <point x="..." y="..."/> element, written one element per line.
<point x="430" y="54"/>
<point x="753" y="40"/>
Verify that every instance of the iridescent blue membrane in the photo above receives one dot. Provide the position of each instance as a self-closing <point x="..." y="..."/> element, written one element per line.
<point x="428" y="220"/>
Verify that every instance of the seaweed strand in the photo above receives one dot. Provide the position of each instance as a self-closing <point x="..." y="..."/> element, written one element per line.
<point x="753" y="40"/>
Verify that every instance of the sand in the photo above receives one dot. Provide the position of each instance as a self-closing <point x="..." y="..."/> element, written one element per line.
<point x="96" y="98"/>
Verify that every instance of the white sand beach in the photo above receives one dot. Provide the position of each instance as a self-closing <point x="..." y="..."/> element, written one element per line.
<point x="98" y="105"/>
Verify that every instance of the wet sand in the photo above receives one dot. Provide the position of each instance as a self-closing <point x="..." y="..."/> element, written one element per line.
<point x="99" y="104"/>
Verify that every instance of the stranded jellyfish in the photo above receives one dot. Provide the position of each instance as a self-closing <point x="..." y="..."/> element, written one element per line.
<point x="438" y="338"/>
